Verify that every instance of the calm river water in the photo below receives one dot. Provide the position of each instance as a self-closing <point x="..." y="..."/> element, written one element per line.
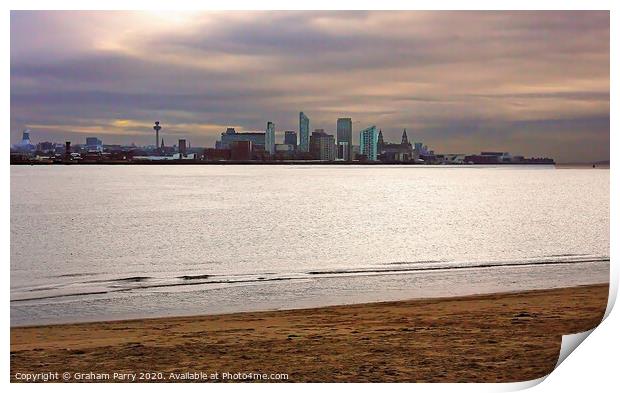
<point x="115" y="242"/>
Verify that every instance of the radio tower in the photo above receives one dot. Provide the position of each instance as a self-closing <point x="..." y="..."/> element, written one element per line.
<point x="156" y="127"/>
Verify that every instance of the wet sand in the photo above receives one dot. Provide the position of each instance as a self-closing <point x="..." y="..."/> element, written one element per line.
<point x="486" y="338"/>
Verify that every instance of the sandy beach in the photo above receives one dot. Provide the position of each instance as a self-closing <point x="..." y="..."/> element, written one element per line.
<point x="486" y="338"/>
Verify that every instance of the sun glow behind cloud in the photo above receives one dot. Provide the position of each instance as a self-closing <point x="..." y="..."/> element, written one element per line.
<point x="170" y="17"/>
<point x="456" y="81"/>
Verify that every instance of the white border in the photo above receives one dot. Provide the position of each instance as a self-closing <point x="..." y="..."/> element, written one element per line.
<point x="593" y="365"/>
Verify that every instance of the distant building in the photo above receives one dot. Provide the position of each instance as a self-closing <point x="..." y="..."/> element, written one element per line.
<point x="422" y="154"/>
<point x="241" y="150"/>
<point x="270" y="138"/>
<point x="94" y="144"/>
<point x="182" y="156"/>
<point x="46" y="147"/>
<point x="285" y="151"/>
<point x="304" y="132"/>
<point x="501" y="156"/>
<point x="93" y="141"/>
<point x="182" y="146"/>
<point x="344" y="133"/>
<point x="322" y="146"/>
<point x="284" y="147"/>
<point x="489" y="157"/>
<point x="395" y="152"/>
<point x="174" y="156"/>
<point x="368" y="143"/>
<point x="59" y="148"/>
<point x="25" y="145"/>
<point x="216" y="154"/>
<point x="257" y="139"/>
<point x="290" y="138"/>
<point x="496" y="157"/>
<point x="343" y="151"/>
<point x="452" y="159"/>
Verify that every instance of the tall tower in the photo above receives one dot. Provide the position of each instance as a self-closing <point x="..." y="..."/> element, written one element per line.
<point x="368" y="143"/>
<point x="344" y="134"/>
<point x="270" y="138"/>
<point x="156" y="127"/>
<point x="304" y="132"/>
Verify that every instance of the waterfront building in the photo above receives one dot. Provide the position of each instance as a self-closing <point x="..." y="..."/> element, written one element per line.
<point x="93" y="141"/>
<point x="270" y="138"/>
<point x="322" y="146"/>
<point x="421" y="152"/>
<point x="25" y="145"/>
<point x="489" y="157"/>
<point x="241" y="150"/>
<point x="257" y="139"/>
<point x="46" y="147"/>
<point x="304" y="132"/>
<point x="59" y="148"/>
<point x="368" y="143"/>
<point x="395" y="152"/>
<point x="344" y="133"/>
<point x="94" y="144"/>
<point x="501" y="156"/>
<point x="343" y="151"/>
<point x="181" y="156"/>
<point x="182" y="146"/>
<point x="290" y="138"/>
<point x="174" y="156"/>
<point x="285" y="151"/>
<point x="453" y="159"/>
<point x="211" y="154"/>
<point x="284" y="147"/>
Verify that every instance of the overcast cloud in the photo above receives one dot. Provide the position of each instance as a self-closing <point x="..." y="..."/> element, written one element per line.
<point x="533" y="83"/>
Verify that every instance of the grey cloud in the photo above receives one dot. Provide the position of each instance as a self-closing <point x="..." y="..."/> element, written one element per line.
<point x="513" y="78"/>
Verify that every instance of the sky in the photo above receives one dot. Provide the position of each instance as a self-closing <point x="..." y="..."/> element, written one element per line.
<point x="531" y="83"/>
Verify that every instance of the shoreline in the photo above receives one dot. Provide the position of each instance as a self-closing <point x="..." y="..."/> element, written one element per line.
<point x="269" y="310"/>
<point x="310" y="163"/>
<point x="275" y="162"/>
<point x="499" y="337"/>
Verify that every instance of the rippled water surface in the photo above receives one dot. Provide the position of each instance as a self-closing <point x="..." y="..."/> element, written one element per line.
<point x="112" y="242"/>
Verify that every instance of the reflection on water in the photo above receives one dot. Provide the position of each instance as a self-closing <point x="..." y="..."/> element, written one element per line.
<point x="102" y="242"/>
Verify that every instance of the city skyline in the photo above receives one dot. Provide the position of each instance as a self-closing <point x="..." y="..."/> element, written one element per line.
<point x="537" y="83"/>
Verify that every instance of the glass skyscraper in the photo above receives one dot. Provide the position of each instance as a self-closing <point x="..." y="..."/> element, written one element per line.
<point x="368" y="143"/>
<point x="344" y="133"/>
<point x="270" y="138"/>
<point x="304" y="132"/>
